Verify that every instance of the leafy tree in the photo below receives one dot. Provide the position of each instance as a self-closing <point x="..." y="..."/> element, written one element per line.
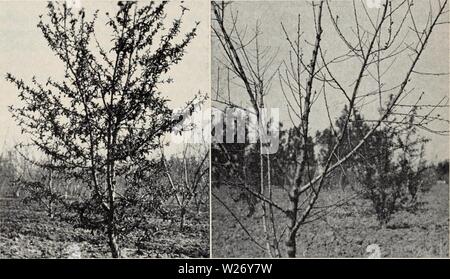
<point x="238" y="164"/>
<point x="8" y="172"/>
<point x="442" y="170"/>
<point x="411" y="148"/>
<point x="39" y="189"/>
<point x="388" y="168"/>
<point x="289" y="147"/>
<point x="352" y="133"/>
<point x="102" y="123"/>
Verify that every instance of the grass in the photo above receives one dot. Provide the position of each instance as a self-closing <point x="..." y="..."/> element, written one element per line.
<point x="345" y="232"/>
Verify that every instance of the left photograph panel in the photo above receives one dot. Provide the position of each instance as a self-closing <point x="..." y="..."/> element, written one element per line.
<point x="104" y="135"/>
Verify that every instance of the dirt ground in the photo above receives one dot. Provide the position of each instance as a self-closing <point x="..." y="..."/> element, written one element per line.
<point x="346" y="231"/>
<point x="26" y="233"/>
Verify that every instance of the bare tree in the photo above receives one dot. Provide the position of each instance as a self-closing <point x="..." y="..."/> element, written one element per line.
<point x="374" y="47"/>
<point x="187" y="176"/>
<point x="247" y="60"/>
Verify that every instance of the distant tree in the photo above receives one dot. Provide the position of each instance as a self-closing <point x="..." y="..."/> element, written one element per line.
<point x="442" y="170"/>
<point x="8" y="173"/>
<point x="289" y="146"/>
<point x="101" y="124"/>
<point x="188" y="179"/>
<point x="39" y="189"/>
<point x="352" y="133"/>
<point x="411" y="159"/>
<point x="390" y="167"/>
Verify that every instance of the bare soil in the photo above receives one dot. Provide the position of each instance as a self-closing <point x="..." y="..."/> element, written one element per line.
<point x="26" y="233"/>
<point x="345" y="232"/>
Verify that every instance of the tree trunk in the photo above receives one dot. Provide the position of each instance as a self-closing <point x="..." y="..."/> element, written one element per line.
<point x="383" y="223"/>
<point x="112" y="240"/>
<point x="291" y="243"/>
<point x="111" y="190"/>
<point x="182" y="218"/>
<point x="50" y="188"/>
<point x="112" y="237"/>
<point x="112" y="234"/>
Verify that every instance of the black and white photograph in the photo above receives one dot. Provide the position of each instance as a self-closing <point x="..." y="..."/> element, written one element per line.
<point x="97" y="151"/>
<point x="330" y="129"/>
<point x="222" y="135"/>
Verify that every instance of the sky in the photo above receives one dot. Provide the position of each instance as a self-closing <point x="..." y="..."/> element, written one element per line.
<point x="270" y="14"/>
<point x="24" y="53"/>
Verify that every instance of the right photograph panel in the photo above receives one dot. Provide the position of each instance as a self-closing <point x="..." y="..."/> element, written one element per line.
<point x="330" y="129"/>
